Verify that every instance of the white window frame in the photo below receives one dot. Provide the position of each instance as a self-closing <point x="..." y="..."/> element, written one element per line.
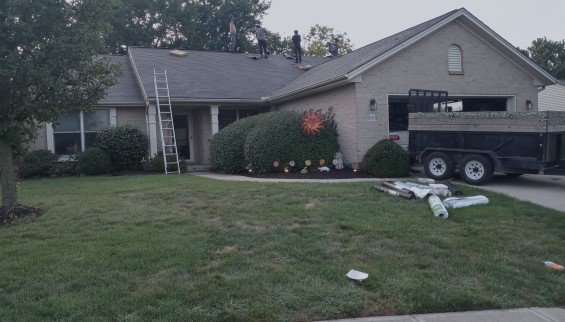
<point x="51" y="132"/>
<point x="455" y="60"/>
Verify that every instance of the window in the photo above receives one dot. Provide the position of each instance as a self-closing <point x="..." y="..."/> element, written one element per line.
<point x="454" y="60"/>
<point x="228" y="116"/>
<point x="76" y="131"/>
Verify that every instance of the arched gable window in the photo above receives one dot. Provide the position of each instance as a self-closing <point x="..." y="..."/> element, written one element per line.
<point x="454" y="60"/>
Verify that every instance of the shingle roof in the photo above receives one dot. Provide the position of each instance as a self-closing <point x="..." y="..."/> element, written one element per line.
<point x="127" y="90"/>
<point x="342" y="65"/>
<point x="204" y="75"/>
<point x="210" y="76"/>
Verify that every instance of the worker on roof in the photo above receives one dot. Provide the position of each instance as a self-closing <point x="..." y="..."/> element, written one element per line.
<point x="261" y="33"/>
<point x="232" y="34"/>
<point x="297" y="48"/>
<point x="333" y="48"/>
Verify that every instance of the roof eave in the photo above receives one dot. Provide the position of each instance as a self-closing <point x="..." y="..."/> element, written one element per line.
<point x="216" y="101"/>
<point x="122" y="103"/>
<point x="336" y="81"/>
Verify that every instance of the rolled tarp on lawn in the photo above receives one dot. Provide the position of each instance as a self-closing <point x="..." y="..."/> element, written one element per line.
<point x="460" y="202"/>
<point x="437" y="207"/>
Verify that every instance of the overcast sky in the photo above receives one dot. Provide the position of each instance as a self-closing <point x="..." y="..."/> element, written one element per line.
<point x="366" y="21"/>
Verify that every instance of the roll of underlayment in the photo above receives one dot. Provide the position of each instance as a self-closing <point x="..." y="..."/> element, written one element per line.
<point x="437" y="207"/>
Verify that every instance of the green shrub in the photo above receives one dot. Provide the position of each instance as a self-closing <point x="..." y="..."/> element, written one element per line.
<point x="227" y="147"/>
<point x="125" y="145"/>
<point x="259" y="140"/>
<point x="93" y="161"/>
<point x="154" y="164"/>
<point x="65" y="168"/>
<point x="38" y="163"/>
<point x="279" y="137"/>
<point x="386" y="159"/>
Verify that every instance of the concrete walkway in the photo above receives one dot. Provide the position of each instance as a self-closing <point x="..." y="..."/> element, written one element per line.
<point x="547" y="191"/>
<point x="533" y="314"/>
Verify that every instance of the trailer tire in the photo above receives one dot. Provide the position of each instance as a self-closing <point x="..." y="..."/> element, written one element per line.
<point x="439" y="166"/>
<point x="476" y="169"/>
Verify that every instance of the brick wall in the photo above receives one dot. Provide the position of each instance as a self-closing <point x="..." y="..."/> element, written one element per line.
<point x="423" y="66"/>
<point x="41" y="141"/>
<point x="344" y="105"/>
<point x="134" y="116"/>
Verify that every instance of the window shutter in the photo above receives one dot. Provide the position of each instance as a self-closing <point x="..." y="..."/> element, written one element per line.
<point x="454" y="60"/>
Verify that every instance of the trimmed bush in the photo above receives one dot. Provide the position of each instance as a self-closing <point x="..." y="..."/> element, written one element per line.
<point x="154" y="164"/>
<point x="227" y="147"/>
<point x="125" y="145"/>
<point x="38" y="163"/>
<point x="280" y="137"/>
<point x="65" y="168"/>
<point x="93" y="161"/>
<point x="259" y="140"/>
<point x="386" y="159"/>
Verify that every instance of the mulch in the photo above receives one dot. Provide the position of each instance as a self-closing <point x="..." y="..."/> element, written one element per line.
<point x="9" y="215"/>
<point x="346" y="173"/>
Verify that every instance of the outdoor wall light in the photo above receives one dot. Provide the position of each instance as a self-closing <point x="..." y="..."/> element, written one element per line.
<point x="528" y="105"/>
<point x="372" y="104"/>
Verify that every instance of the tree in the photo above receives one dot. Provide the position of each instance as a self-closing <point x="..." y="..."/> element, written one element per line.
<point x="550" y="55"/>
<point x="48" y="67"/>
<point x="277" y="44"/>
<point x="316" y="41"/>
<point x="197" y="25"/>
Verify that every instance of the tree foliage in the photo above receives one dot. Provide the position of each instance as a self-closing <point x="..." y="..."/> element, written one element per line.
<point x="315" y="43"/>
<point x="48" y="67"/>
<point x="192" y="24"/>
<point x="549" y="55"/>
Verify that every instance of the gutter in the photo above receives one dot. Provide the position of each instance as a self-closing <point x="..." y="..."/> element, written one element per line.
<point x="305" y="90"/>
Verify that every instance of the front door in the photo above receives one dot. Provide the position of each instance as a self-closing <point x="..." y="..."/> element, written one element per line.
<point x="183" y="136"/>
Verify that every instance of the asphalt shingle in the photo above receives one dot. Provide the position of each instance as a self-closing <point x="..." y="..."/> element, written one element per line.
<point x="217" y="75"/>
<point x="127" y="90"/>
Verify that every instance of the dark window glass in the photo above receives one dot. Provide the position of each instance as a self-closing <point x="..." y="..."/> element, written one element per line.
<point x="67" y="143"/>
<point x="226" y="117"/>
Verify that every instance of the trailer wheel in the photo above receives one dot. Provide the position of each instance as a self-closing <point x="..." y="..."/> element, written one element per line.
<point x="439" y="166"/>
<point x="476" y="169"/>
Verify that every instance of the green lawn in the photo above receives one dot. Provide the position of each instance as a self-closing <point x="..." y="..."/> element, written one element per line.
<point x="186" y="248"/>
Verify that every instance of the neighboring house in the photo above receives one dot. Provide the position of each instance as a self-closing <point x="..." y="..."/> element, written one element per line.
<point x="367" y="88"/>
<point x="552" y="98"/>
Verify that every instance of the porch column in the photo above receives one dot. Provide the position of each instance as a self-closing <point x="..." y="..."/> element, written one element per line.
<point x="152" y="129"/>
<point x="214" y="118"/>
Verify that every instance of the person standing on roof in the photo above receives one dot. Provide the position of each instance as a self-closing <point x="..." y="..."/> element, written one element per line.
<point x="333" y="48"/>
<point x="297" y="48"/>
<point x="260" y="33"/>
<point x="232" y="34"/>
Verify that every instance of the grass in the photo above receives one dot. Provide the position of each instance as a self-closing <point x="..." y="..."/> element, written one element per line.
<point x="181" y="247"/>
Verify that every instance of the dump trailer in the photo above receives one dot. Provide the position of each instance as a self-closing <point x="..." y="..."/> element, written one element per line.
<point x="478" y="144"/>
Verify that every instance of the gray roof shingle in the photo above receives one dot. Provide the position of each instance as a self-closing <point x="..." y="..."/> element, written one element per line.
<point x="127" y="90"/>
<point x="204" y="75"/>
<point x="342" y="65"/>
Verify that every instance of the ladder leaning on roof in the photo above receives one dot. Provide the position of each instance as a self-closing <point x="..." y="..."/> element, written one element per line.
<point x="166" y="125"/>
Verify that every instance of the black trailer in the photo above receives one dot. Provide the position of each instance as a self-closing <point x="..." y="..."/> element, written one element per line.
<point x="478" y="144"/>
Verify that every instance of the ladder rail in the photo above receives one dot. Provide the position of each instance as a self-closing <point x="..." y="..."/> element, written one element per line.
<point x="169" y="147"/>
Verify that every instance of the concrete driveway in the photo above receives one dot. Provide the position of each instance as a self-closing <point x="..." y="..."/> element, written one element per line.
<point x="544" y="190"/>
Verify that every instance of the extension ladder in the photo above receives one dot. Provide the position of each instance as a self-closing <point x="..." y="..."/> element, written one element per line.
<point x="166" y="125"/>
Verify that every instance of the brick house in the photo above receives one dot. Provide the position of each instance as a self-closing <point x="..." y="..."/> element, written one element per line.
<point x="367" y="88"/>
